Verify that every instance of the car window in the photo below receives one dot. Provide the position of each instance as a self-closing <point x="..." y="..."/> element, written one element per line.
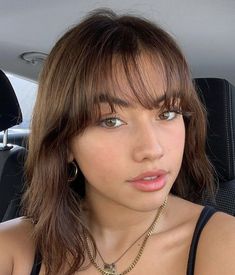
<point x="26" y="93"/>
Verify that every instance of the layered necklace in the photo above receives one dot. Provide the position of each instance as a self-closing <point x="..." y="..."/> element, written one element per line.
<point x="110" y="269"/>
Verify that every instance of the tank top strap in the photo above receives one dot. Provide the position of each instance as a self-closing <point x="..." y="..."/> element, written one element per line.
<point x="37" y="264"/>
<point x="204" y="217"/>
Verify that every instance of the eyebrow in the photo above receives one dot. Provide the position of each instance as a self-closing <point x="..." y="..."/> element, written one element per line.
<point x="103" y="98"/>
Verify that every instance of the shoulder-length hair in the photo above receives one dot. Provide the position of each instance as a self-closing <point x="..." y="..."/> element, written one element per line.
<point x="78" y="73"/>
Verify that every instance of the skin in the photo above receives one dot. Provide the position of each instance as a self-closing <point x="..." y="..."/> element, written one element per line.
<point x="110" y="153"/>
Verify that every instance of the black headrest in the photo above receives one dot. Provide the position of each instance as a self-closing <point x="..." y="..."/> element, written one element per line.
<point x="10" y="112"/>
<point x="218" y="95"/>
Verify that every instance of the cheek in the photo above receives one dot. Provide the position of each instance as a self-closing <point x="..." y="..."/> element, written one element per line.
<point x="176" y="141"/>
<point x="175" y="152"/>
<point x="97" y="160"/>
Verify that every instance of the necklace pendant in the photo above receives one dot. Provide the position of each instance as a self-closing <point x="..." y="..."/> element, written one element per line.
<point x="110" y="268"/>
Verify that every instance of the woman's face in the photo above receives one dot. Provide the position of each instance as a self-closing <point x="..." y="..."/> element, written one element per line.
<point x="132" y="157"/>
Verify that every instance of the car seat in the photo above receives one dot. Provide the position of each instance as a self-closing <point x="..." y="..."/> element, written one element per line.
<point x="218" y="97"/>
<point x="11" y="156"/>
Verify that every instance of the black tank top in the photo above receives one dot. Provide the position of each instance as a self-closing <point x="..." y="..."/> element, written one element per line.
<point x="204" y="217"/>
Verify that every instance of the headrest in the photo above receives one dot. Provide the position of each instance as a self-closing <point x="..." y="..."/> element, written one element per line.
<point x="218" y="96"/>
<point x="10" y="112"/>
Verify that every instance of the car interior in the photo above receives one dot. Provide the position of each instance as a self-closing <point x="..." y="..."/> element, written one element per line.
<point x="198" y="26"/>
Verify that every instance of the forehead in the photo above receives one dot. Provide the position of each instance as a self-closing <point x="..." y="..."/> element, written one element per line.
<point x="135" y="79"/>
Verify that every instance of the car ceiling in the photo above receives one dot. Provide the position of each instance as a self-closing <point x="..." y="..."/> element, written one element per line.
<point x="205" y="29"/>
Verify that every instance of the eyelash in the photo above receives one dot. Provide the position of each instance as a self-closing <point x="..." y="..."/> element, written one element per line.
<point x="114" y="117"/>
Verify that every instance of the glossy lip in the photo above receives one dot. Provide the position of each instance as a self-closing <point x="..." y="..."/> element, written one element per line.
<point x="157" y="182"/>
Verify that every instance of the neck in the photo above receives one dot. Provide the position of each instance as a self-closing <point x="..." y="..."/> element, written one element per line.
<point x="113" y="224"/>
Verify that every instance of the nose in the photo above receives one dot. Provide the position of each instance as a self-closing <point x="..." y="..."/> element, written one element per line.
<point x="148" y="143"/>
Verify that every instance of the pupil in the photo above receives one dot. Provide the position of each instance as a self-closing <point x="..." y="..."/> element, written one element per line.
<point x="164" y="115"/>
<point x="110" y="122"/>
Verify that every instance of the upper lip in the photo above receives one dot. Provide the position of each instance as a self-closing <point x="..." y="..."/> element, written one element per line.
<point x="155" y="173"/>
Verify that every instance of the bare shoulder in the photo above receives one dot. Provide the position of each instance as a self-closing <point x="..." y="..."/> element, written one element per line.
<point x="216" y="247"/>
<point x="215" y="254"/>
<point x="17" y="247"/>
<point x="187" y="212"/>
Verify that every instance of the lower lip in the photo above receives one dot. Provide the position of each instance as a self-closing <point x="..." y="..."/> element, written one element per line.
<point x="150" y="185"/>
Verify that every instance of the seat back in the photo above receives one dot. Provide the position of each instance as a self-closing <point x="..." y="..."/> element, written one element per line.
<point x="218" y="96"/>
<point x="11" y="156"/>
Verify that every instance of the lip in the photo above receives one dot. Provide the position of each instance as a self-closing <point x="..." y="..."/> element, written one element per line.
<point x="156" y="181"/>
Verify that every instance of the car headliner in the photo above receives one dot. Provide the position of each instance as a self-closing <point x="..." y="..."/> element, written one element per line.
<point x="205" y="29"/>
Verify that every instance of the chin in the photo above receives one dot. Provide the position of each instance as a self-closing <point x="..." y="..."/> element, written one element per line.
<point x="149" y="205"/>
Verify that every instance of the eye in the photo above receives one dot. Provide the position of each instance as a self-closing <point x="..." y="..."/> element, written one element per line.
<point x="111" y="122"/>
<point x="168" y="115"/>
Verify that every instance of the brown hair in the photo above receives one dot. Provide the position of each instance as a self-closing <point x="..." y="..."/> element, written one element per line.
<point x="78" y="71"/>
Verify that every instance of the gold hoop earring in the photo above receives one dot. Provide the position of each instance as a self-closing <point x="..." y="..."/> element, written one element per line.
<point x="73" y="171"/>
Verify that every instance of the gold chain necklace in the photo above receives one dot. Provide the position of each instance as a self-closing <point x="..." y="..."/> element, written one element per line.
<point x="110" y="269"/>
<point x="112" y="265"/>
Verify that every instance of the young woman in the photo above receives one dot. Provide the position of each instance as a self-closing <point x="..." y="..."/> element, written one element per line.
<point x="116" y="162"/>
